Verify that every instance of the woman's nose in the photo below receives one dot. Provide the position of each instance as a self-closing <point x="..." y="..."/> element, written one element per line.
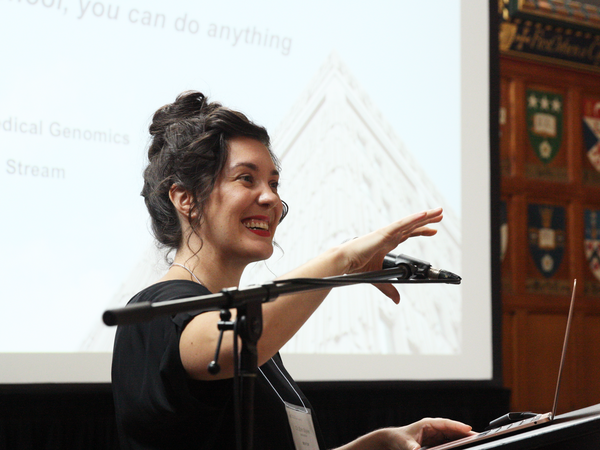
<point x="268" y="196"/>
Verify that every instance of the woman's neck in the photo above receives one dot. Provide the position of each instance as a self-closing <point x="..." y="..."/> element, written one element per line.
<point x="211" y="272"/>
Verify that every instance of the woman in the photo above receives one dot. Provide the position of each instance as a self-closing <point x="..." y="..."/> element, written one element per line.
<point x="211" y="191"/>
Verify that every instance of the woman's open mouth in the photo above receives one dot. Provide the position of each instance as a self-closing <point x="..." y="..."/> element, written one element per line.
<point x="259" y="226"/>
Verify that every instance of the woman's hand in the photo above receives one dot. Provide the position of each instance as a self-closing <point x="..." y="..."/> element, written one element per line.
<point x="431" y="432"/>
<point x="366" y="253"/>
<point x="425" y="432"/>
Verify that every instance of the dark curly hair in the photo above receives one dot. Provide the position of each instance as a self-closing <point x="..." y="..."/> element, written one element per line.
<point x="189" y="148"/>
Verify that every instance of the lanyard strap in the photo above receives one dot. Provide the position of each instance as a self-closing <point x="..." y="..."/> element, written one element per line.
<point x="288" y="381"/>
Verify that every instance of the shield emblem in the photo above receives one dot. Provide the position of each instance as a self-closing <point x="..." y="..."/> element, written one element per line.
<point x="546" y="226"/>
<point x="591" y="131"/>
<point x="592" y="241"/>
<point x="544" y="123"/>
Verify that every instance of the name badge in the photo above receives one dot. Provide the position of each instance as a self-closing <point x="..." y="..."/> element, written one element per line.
<point x="303" y="429"/>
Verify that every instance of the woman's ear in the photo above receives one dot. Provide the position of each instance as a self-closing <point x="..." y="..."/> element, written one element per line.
<point x="182" y="199"/>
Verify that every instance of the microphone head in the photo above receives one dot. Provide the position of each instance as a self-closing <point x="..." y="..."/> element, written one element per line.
<point x="438" y="274"/>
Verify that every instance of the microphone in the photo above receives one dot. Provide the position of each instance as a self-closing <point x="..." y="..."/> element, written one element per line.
<point x="415" y="268"/>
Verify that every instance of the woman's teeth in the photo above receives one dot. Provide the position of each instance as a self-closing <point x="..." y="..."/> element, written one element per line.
<point x="256" y="224"/>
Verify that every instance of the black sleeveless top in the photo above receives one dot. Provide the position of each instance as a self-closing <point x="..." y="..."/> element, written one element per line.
<point x="159" y="407"/>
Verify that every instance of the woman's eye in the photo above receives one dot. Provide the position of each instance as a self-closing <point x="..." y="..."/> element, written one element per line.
<point x="247" y="178"/>
<point x="274" y="185"/>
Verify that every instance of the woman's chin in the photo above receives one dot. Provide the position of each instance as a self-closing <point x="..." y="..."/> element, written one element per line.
<point x="266" y="255"/>
<point x="260" y="254"/>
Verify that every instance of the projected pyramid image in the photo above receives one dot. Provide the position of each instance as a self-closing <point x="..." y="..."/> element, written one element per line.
<point x="346" y="173"/>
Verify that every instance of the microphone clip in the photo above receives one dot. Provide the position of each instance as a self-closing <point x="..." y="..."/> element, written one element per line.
<point x="413" y="268"/>
<point x="416" y="269"/>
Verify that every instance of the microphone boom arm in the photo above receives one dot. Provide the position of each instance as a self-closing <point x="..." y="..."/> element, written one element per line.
<point x="235" y="297"/>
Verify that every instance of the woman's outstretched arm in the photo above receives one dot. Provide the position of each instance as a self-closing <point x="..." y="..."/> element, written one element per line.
<point x="285" y="316"/>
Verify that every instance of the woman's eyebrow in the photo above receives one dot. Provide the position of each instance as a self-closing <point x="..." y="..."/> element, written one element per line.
<point x="253" y="167"/>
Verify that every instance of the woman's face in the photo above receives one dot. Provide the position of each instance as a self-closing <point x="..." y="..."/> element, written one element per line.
<point x="244" y="209"/>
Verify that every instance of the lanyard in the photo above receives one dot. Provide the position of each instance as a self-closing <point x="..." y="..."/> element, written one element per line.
<point x="288" y="381"/>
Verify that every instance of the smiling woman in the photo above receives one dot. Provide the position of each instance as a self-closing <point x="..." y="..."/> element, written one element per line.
<point x="211" y="191"/>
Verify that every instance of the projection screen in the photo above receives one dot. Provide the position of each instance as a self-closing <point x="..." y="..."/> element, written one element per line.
<point x="376" y="110"/>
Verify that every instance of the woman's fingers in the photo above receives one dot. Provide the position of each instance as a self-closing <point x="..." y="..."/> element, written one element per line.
<point x="389" y="290"/>
<point x="415" y="223"/>
<point x="367" y="252"/>
<point x="410" y="226"/>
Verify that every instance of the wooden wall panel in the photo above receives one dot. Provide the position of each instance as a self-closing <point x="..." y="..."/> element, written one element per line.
<point x="542" y="336"/>
<point x="509" y="350"/>
<point x="586" y="353"/>
<point x="535" y="305"/>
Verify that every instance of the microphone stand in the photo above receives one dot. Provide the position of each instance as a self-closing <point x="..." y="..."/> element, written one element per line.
<point x="248" y="302"/>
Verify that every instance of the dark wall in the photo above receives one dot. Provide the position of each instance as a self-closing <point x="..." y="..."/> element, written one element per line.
<point x="45" y="417"/>
<point x="57" y="417"/>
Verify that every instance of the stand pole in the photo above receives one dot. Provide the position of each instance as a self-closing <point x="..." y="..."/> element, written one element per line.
<point x="250" y="317"/>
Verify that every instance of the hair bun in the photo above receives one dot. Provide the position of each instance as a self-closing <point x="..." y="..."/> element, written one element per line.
<point x="187" y="105"/>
